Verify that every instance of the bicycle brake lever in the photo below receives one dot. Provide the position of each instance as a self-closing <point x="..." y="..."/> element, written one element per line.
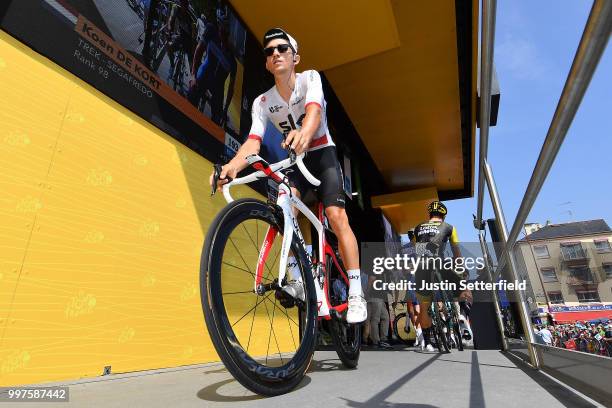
<point x="216" y="175"/>
<point x="292" y="155"/>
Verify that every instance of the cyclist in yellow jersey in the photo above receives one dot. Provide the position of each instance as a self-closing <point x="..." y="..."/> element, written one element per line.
<point x="435" y="231"/>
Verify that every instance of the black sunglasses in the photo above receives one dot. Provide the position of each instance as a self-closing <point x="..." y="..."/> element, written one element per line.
<point x="282" y="48"/>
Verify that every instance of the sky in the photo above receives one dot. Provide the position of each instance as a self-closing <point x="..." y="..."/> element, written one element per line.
<point x="535" y="44"/>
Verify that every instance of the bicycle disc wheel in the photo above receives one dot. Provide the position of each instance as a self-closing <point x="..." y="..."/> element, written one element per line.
<point x="345" y="337"/>
<point x="398" y="328"/>
<point x="267" y="347"/>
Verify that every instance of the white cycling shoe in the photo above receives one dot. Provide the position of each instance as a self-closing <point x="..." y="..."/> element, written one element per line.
<point x="357" y="309"/>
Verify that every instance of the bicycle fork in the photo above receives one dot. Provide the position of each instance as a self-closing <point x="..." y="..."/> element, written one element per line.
<point x="290" y="228"/>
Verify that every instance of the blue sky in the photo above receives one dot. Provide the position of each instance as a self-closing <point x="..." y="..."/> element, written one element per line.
<point x="535" y="43"/>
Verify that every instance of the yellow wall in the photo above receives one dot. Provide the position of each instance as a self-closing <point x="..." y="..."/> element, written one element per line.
<point x="102" y="220"/>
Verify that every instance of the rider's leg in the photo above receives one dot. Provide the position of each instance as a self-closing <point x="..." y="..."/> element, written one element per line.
<point x="347" y="244"/>
<point x="464" y="318"/>
<point x="414" y="309"/>
<point x="425" y="319"/>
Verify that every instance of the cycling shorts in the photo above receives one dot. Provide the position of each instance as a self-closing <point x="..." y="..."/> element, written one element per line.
<point x="324" y="165"/>
<point x="426" y="275"/>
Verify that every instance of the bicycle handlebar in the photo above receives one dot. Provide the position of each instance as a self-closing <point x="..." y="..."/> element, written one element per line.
<point x="273" y="168"/>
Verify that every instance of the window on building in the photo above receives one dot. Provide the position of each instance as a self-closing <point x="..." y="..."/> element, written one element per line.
<point x="602" y="245"/>
<point x="607" y="268"/>
<point x="582" y="273"/>
<point x="588" y="296"/>
<point x="541" y="251"/>
<point x="572" y="251"/>
<point x="549" y="275"/>
<point x="555" y="297"/>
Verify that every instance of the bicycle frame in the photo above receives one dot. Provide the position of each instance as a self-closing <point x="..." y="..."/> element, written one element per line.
<point x="287" y="201"/>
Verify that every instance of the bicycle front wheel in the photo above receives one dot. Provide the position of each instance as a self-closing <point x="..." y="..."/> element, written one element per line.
<point x="266" y="346"/>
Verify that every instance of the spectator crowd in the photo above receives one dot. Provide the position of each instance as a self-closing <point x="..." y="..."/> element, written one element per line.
<point x="588" y="337"/>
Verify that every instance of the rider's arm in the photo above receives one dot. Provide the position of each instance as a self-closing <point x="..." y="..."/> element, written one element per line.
<point x="300" y="139"/>
<point x="454" y="241"/>
<point x="239" y="163"/>
<point x="250" y="146"/>
<point x="314" y="103"/>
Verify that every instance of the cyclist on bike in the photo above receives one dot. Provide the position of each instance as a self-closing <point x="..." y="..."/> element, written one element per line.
<point x="296" y="107"/>
<point x="434" y="230"/>
<point x="208" y="78"/>
<point x="180" y="25"/>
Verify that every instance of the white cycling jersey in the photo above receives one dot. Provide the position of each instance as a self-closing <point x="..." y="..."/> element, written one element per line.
<point x="270" y="106"/>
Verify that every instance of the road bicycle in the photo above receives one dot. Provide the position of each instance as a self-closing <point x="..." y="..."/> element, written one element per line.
<point x="446" y="331"/>
<point x="444" y="313"/>
<point x="267" y="342"/>
<point x="158" y="38"/>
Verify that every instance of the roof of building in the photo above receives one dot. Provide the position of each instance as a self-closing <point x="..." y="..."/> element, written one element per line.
<point x="569" y="229"/>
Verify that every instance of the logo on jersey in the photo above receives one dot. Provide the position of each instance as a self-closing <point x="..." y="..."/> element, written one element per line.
<point x="275" y="108"/>
<point x="263" y="99"/>
<point x="298" y="101"/>
<point x="290" y="124"/>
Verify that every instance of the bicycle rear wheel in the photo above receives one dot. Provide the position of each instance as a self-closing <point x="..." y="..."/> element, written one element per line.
<point x="439" y="331"/>
<point x="267" y="347"/>
<point x="456" y="328"/>
<point x="345" y="337"/>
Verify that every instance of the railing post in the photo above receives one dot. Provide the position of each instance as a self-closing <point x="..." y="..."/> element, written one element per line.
<point x="498" y="313"/>
<point x="499" y="214"/>
<point x="487" y="41"/>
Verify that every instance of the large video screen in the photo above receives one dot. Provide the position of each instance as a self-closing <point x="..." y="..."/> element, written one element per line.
<point x="190" y="67"/>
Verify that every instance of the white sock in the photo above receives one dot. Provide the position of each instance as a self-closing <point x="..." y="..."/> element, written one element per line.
<point x="293" y="270"/>
<point x="354" y="276"/>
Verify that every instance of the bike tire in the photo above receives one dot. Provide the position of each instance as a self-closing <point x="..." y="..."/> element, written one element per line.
<point x="346" y="338"/>
<point x="441" y="337"/>
<point x="456" y="329"/>
<point x="261" y="379"/>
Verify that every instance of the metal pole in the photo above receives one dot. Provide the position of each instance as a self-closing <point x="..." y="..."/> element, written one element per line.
<point x="498" y="313"/>
<point x="501" y="220"/>
<point x="592" y="45"/>
<point x="487" y="40"/>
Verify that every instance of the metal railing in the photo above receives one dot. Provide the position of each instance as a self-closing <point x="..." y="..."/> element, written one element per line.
<point x="592" y="45"/>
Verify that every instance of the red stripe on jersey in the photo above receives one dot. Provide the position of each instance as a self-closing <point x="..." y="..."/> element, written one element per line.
<point x="256" y="137"/>
<point x="309" y="103"/>
<point x="318" y="142"/>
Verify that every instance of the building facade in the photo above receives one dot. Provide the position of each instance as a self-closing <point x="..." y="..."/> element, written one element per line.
<point x="570" y="268"/>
